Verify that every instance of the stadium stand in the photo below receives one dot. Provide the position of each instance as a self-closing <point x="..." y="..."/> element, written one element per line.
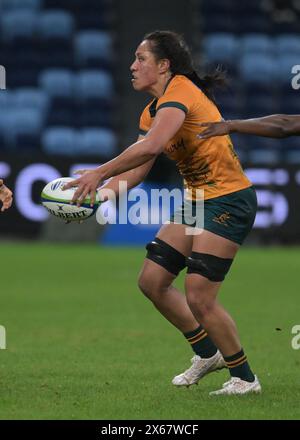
<point x="258" y="43"/>
<point x="59" y="58"/>
<point x="93" y="49"/>
<point x="22" y="128"/>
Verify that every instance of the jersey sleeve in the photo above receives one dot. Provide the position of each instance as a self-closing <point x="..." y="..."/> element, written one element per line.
<point x="179" y="94"/>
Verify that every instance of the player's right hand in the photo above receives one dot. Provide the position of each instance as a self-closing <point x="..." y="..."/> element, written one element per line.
<point x="86" y="185"/>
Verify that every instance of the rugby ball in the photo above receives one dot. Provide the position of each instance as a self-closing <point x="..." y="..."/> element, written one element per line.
<point x="58" y="202"/>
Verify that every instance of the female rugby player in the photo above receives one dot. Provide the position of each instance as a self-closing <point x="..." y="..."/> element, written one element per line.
<point x="276" y="126"/>
<point x="6" y="196"/>
<point x="181" y="101"/>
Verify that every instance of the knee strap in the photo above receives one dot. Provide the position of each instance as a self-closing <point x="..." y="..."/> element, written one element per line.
<point x="209" y="266"/>
<point x="166" y="256"/>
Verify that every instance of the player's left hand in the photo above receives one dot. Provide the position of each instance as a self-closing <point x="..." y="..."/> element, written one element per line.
<point x="214" y="129"/>
<point x="6" y="196"/>
<point x="86" y="185"/>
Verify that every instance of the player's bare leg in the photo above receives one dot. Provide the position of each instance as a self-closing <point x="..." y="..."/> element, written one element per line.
<point x="155" y="282"/>
<point x="210" y="260"/>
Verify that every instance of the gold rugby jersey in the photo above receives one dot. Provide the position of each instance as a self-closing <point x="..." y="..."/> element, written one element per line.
<point x="208" y="164"/>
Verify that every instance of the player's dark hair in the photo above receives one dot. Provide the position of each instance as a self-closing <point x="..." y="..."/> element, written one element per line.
<point x="172" y="46"/>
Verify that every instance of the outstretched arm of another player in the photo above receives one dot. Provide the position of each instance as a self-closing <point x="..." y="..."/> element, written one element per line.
<point x="277" y="126"/>
<point x="166" y="123"/>
<point x="6" y="196"/>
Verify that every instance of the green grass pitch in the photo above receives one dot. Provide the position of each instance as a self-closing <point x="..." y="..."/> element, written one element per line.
<point x="83" y="343"/>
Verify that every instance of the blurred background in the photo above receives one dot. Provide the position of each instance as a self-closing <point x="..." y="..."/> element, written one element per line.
<point x="68" y="101"/>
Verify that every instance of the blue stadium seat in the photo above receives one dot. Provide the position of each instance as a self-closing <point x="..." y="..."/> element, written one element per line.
<point x="58" y="82"/>
<point x="19" y="46"/>
<point x="94" y="91"/>
<point x="56" y="34"/>
<point x="287" y="44"/>
<point x="23" y="128"/>
<point x="33" y="5"/>
<point x="94" y="84"/>
<point x="221" y="47"/>
<point x="259" y="68"/>
<point x="60" y="141"/>
<point x="56" y="24"/>
<point x="29" y="97"/>
<point x="93" y="49"/>
<point x="60" y="85"/>
<point x="257" y="43"/>
<point x="18" y="25"/>
<point x="98" y="142"/>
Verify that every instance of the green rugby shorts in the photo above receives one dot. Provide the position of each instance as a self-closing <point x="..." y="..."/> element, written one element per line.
<point x="231" y="216"/>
